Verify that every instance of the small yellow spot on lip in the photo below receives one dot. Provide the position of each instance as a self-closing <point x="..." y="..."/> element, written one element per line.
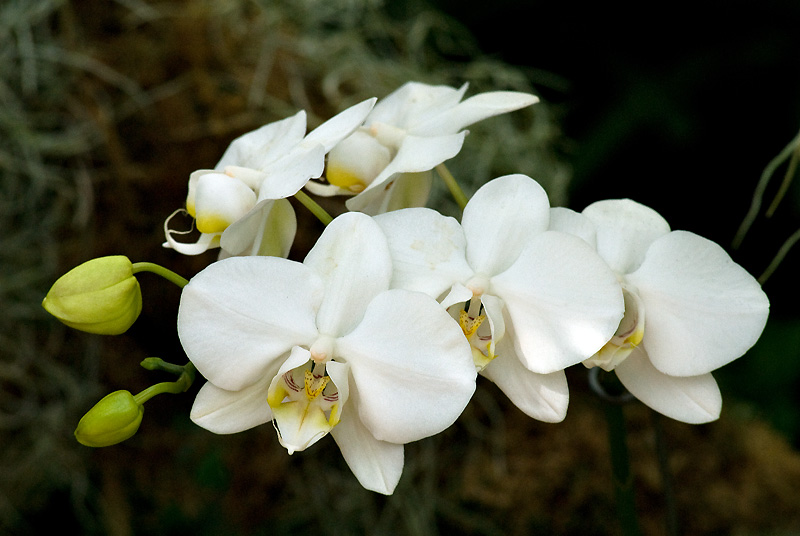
<point x="470" y="325"/>
<point x="314" y="385"/>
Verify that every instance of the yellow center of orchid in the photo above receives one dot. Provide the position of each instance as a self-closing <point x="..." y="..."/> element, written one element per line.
<point x="314" y="385"/>
<point x="212" y="223"/>
<point x="344" y="178"/>
<point x="470" y="321"/>
<point x="303" y="413"/>
<point x="629" y="335"/>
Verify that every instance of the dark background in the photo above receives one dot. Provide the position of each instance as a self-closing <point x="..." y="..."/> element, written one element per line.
<point x="679" y="106"/>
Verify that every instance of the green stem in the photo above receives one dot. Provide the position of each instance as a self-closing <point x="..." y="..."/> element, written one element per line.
<point x="314" y="207"/>
<point x="180" y="385"/>
<point x="666" y="476"/>
<point x="156" y="363"/>
<point x="452" y="185"/>
<point x="167" y="274"/>
<point x="621" y="471"/>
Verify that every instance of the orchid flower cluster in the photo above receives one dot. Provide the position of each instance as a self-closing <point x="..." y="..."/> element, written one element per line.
<point x="377" y="337"/>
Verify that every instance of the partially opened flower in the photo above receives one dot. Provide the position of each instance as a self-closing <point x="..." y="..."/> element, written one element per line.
<point x="324" y="347"/>
<point x="386" y="163"/>
<point x="689" y="309"/>
<point x="241" y="204"/>
<point x="530" y="301"/>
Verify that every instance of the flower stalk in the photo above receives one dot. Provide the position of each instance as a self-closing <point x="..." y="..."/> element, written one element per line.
<point x="452" y="185"/>
<point x="167" y="274"/>
<point x="321" y="214"/>
<point x="182" y="384"/>
<point x="622" y="476"/>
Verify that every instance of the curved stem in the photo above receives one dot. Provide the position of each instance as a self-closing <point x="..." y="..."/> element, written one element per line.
<point x="321" y="214"/>
<point x="180" y="385"/>
<point x="452" y="185"/>
<point x="167" y="274"/>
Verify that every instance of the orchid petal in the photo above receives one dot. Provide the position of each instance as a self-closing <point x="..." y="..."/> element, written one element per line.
<point x="472" y="110"/>
<point x="415" y="154"/>
<point x="690" y="399"/>
<point x="229" y="412"/>
<point x="352" y="258"/>
<point x="458" y="294"/>
<point x="405" y="190"/>
<point x="267" y="302"/>
<point x="562" y="299"/>
<point x="544" y="397"/>
<point x="494" y="307"/>
<point x="338" y="127"/>
<point x="408" y="190"/>
<point x="276" y="235"/>
<point x="268" y="229"/>
<point x="326" y="190"/>
<point x="356" y="161"/>
<point x="403" y="106"/>
<point x="376" y="464"/>
<point x="703" y="310"/>
<point x="499" y="220"/>
<point x="625" y="229"/>
<point x="239" y="236"/>
<point x="340" y="375"/>
<point x="427" y="250"/>
<point x="219" y="201"/>
<point x="251" y="177"/>
<point x="192" y="189"/>
<point x="568" y="221"/>
<point x="406" y="394"/>
<point x="287" y="176"/>
<point x="259" y="147"/>
<point x="205" y="242"/>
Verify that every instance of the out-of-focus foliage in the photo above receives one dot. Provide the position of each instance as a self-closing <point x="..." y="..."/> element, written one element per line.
<point x="47" y="374"/>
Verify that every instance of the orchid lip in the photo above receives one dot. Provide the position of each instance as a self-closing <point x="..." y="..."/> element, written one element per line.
<point x="628" y="336"/>
<point x="305" y="405"/>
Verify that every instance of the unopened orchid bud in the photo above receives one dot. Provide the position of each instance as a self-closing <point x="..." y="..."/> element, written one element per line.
<point x="112" y="420"/>
<point x="99" y="296"/>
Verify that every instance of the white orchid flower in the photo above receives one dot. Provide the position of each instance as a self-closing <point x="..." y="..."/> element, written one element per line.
<point x="689" y="309"/>
<point x="386" y="164"/>
<point x="324" y="347"/>
<point x="530" y="301"/>
<point x="241" y="204"/>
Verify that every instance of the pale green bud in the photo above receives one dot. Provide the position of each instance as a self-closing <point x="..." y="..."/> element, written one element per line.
<point x="112" y="420"/>
<point x="99" y="296"/>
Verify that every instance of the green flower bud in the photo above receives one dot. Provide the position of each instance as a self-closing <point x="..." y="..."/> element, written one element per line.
<point x="99" y="296"/>
<point x="112" y="420"/>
